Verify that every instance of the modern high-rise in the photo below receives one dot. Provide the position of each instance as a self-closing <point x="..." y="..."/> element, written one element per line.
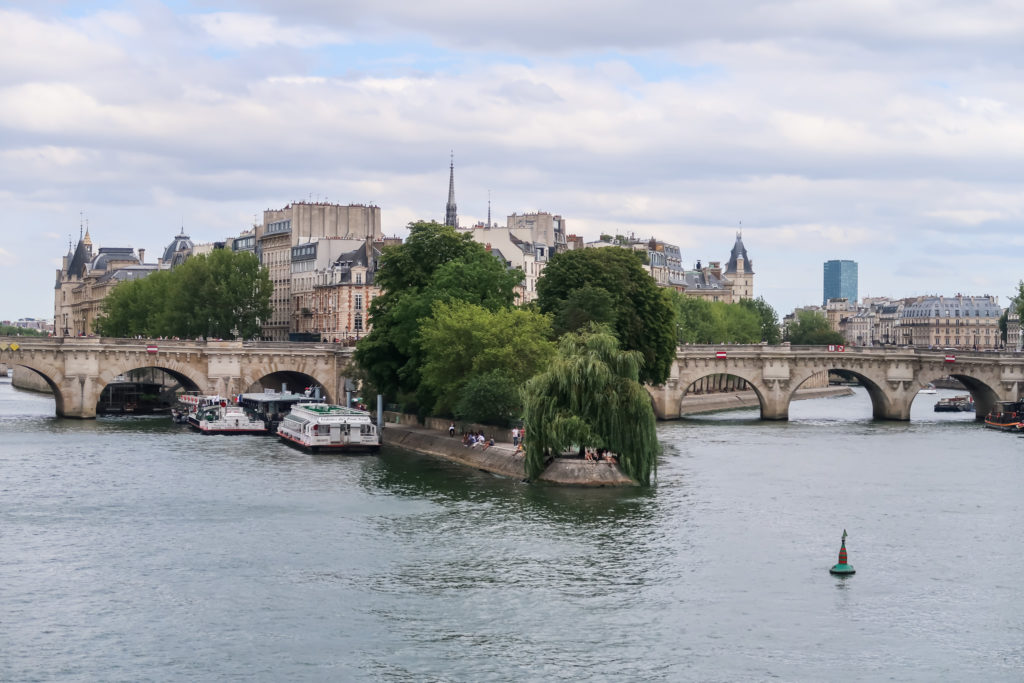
<point x="840" y="281"/>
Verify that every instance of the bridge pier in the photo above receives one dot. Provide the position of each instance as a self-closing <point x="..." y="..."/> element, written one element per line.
<point x="775" y="399"/>
<point x="77" y="397"/>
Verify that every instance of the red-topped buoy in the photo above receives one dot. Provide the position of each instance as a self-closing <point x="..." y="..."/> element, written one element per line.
<point x="843" y="569"/>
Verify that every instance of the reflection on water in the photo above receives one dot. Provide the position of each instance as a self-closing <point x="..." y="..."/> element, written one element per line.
<point x="134" y="549"/>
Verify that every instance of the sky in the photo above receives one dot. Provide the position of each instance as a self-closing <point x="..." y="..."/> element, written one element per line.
<point x="889" y="133"/>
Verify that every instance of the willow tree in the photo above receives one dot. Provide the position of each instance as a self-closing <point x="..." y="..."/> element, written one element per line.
<point x="590" y="396"/>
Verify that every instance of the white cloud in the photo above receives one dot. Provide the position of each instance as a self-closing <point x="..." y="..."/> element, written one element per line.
<point x="239" y="30"/>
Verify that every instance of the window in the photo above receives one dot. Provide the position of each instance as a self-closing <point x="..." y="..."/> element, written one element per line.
<point x="359" y="322"/>
<point x="359" y="278"/>
<point x="359" y="302"/>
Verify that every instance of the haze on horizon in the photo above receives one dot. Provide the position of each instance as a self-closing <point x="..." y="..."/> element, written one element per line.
<point x="885" y="133"/>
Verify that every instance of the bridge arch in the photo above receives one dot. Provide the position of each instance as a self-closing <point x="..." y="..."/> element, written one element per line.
<point x="295" y="380"/>
<point x="980" y="388"/>
<point x="883" y="405"/>
<point x="750" y="378"/>
<point x="54" y="379"/>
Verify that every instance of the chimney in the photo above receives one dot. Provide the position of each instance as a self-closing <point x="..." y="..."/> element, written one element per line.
<point x="142" y="255"/>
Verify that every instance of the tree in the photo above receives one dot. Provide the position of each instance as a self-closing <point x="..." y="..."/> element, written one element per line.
<point x="221" y="294"/>
<point x="591" y="395"/>
<point x="700" y="321"/>
<point x="768" y="318"/>
<point x="812" y="328"/>
<point x="1004" y="325"/>
<point x="466" y="345"/>
<point x="434" y="264"/>
<point x="644" y="318"/>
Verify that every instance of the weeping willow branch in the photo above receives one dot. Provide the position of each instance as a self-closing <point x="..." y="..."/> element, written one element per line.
<point x="590" y="395"/>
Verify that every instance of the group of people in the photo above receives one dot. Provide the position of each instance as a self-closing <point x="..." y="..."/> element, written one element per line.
<point x="600" y="455"/>
<point x="471" y="440"/>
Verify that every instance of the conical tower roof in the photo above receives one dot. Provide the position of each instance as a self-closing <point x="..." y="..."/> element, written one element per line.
<point x="739" y="251"/>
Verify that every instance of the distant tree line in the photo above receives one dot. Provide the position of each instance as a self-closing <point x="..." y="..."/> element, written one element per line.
<point x="13" y="331"/>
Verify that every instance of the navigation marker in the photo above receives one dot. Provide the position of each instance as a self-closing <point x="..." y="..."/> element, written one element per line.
<point x="842" y="569"/>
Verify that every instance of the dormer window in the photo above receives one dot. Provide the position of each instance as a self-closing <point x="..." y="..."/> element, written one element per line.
<point x="359" y="278"/>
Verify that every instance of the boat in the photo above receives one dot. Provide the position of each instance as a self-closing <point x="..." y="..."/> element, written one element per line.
<point x="184" y="411"/>
<point x="227" y="418"/>
<point x="928" y="389"/>
<point x="271" y="406"/>
<point x="316" y="426"/>
<point x="955" y="404"/>
<point x="1006" y="415"/>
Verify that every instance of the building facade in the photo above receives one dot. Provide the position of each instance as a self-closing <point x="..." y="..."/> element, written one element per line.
<point x="304" y="223"/>
<point x="962" y="322"/>
<point x="840" y="281"/>
<point x="85" y="278"/>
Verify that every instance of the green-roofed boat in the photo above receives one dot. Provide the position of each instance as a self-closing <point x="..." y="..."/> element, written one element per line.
<point x="322" y="426"/>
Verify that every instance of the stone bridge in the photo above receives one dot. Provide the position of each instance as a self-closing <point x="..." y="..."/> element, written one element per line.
<point x="892" y="376"/>
<point x="77" y="369"/>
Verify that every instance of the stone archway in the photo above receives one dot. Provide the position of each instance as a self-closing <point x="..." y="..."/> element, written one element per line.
<point x="54" y="380"/>
<point x="688" y="381"/>
<point x="888" y="399"/>
<point x="294" y="380"/>
<point x="185" y="375"/>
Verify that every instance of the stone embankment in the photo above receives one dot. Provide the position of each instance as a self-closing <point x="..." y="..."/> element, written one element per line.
<point x="402" y="431"/>
<point x="501" y="458"/>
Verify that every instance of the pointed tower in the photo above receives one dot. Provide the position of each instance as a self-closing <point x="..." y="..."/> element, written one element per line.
<point x="740" y="270"/>
<point x="451" y="216"/>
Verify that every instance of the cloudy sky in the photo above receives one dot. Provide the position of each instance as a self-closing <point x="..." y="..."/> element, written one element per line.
<point x="891" y="133"/>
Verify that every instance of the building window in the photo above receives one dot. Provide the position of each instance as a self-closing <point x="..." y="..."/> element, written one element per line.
<point x="359" y="302"/>
<point x="359" y="322"/>
<point x="359" y="278"/>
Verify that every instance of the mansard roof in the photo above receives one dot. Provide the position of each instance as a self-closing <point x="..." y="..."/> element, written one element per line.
<point x="181" y="242"/>
<point x="109" y="255"/>
<point x="739" y="250"/>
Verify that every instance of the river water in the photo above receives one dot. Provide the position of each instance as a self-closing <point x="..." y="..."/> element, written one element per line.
<point x="133" y="550"/>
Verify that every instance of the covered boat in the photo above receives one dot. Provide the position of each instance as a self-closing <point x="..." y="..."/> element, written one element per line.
<point x="316" y="426"/>
<point x="955" y="404"/>
<point x="227" y="418"/>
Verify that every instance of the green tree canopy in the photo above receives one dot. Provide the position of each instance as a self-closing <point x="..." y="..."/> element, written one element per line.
<point x="812" y="328"/>
<point x="434" y="264"/>
<point x="700" y="321"/>
<point x="464" y="342"/>
<point x="767" y="317"/>
<point x="221" y="294"/>
<point x="643" y="315"/>
<point x="591" y="395"/>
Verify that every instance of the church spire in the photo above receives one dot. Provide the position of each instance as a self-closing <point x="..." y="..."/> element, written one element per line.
<point x="450" y="215"/>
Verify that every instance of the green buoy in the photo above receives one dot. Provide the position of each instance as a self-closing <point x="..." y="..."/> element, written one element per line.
<point x="843" y="569"/>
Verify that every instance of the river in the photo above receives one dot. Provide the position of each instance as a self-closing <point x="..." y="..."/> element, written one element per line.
<point x="134" y="550"/>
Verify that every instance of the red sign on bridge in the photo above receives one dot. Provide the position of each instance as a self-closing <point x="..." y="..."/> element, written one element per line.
<point x="950" y="358"/>
<point x="719" y="354"/>
<point x="151" y="348"/>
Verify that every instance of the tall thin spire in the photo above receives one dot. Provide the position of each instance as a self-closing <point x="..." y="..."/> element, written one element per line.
<point x="451" y="216"/>
<point x="488" y="208"/>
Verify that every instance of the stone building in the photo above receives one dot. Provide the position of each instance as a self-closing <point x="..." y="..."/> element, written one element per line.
<point x="515" y="252"/>
<point x="85" y="278"/>
<point x="540" y="227"/>
<point x="304" y="223"/>
<point x="740" y="271"/>
<point x="963" y="322"/>
<point x="336" y="306"/>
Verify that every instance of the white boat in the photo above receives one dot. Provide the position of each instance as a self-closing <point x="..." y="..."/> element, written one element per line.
<point x="226" y="418"/>
<point x="316" y="426"/>
<point x="928" y="389"/>
<point x="184" y="412"/>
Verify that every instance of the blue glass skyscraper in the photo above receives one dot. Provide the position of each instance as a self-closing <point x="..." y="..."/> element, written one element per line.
<point x="840" y="281"/>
